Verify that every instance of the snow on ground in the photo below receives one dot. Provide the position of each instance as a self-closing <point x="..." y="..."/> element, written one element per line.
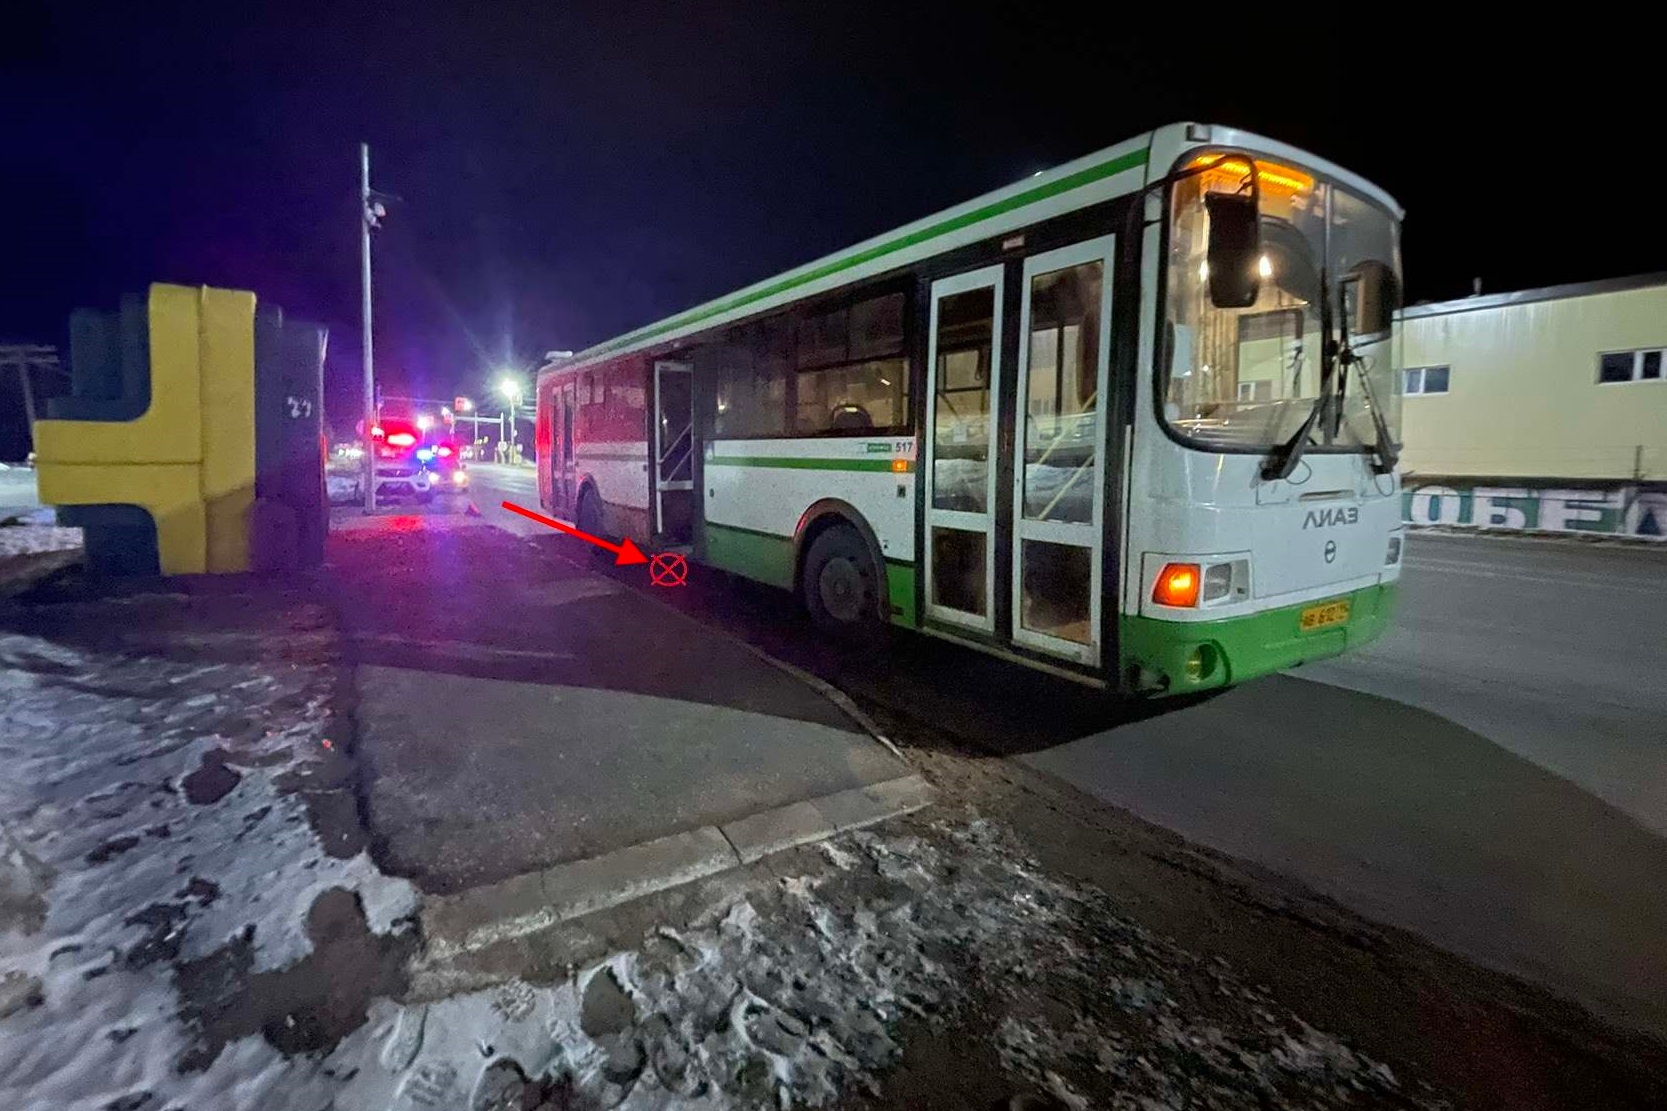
<point x="18" y="492"/>
<point x="799" y="997"/>
<point x="112" y="876"/>
<point x="16" y="540"/>
<point x="342" y="488"/>
<point x="173" y="935"/>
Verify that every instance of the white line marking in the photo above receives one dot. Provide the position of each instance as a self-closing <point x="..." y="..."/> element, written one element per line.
<point x="1593" y="581"/>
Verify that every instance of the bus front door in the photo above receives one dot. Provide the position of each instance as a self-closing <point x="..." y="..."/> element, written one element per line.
<point x="1058" y="455"/>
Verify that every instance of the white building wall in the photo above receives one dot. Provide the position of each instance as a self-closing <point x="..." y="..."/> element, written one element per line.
<point x="1524" y="399"/>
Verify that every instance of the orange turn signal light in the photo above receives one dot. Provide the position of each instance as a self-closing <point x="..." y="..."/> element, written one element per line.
<point x="1177" y="585"/>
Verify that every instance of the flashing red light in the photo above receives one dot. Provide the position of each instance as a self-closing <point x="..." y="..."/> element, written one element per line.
<point x="402" y="439"/>
<point x="443" y="452"/>
<point x="376" y="430"/>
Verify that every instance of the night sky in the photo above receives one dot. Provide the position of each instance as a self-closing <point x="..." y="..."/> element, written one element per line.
<point x="572" y="170"/>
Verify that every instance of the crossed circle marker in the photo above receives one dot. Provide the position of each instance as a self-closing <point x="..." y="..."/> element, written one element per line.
<point x="668" y="569"/>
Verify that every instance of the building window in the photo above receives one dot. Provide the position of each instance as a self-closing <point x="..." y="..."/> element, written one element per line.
<point x="1630" y="366"/>
<point x="1258" y="389"/>
<point x="1277" y="324"/>
<point x="1425" y="379"/>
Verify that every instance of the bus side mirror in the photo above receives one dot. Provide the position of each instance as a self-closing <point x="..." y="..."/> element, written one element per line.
<point x="1234" y="249"/>
<point x="1377" y="294"/>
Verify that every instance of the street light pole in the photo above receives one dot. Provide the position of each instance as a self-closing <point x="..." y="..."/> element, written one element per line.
<point x="366" y="219"/>
<point x="510" y="389"/>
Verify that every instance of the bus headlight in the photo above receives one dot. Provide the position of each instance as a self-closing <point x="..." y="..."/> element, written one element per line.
<point x="1226" y="582"/>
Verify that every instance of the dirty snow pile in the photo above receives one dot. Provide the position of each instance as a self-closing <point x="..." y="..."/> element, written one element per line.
<point x="804" y="995"/>
<point x="16" y="540"/>
<point x="342" y="487"/>
<point x="143" y="834"/>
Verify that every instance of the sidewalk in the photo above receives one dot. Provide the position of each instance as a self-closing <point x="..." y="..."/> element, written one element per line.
<point x="552" y="742"/>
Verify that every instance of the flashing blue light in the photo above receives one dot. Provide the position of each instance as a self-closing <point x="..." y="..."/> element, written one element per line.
<point x="425" y="454"/>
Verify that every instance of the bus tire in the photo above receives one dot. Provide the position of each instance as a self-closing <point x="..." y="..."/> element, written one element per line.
<point x="589" y="519"/>
<point x="841" y="585"/>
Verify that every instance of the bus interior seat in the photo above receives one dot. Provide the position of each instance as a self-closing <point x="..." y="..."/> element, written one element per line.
<point x="850" y="417"/>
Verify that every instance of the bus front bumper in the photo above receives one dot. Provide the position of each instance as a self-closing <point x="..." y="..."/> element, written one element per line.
<point x="1176" y="657"/>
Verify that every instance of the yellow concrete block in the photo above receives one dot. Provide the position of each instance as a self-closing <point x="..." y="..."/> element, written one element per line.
<point x="170" y="492"/>
<point x="171" y="430"/>
<point x="228" y="530"/>
<point x="228" y="408"/>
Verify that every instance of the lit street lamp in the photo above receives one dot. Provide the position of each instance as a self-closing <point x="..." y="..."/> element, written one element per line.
<point x="510" y="388"/>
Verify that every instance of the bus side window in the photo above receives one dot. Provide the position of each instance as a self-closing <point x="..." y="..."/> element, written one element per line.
<point x="750" y="368"/>
<point x="853" y="375"/>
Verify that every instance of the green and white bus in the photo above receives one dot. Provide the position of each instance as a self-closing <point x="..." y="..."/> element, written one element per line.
<point x="1133" y="420"/>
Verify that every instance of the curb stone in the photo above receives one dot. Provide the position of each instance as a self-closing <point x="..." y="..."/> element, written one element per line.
<point x="472" y="920"/>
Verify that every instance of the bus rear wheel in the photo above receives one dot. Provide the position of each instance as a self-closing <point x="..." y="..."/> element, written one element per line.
<point x="589" y="519"/>
<point x="841" y="584"/>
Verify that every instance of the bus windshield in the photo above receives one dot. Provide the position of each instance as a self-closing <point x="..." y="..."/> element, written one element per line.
<point x="1249" y="378"/>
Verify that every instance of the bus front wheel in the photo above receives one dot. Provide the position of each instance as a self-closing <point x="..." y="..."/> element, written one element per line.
<point x="841" y="585"/>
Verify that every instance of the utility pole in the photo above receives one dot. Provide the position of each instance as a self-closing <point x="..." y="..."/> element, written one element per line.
<point x="367" y="220"/>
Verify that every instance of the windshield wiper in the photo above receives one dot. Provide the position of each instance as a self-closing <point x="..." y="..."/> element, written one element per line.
<point x="1384" y="453"/>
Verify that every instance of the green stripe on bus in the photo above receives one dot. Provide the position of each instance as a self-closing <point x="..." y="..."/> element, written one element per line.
<point x="769" y="559"/>
<point x="1109" y="168"/>
<point x="755" y="555"/>
<point x="900" y="590"/>
<point x="799" y="464"/>
<point x="1255" y="644"/>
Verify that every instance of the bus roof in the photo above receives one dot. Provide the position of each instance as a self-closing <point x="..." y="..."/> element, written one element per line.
<point x="1103" y="175"/>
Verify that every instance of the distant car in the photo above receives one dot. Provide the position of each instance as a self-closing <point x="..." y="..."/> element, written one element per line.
<point x="444" y="460"/>
<point x="400" y="473"/>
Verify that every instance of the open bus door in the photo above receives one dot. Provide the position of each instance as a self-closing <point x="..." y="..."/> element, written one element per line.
<point x="560" y="467"/>
<point x="674" y="444"/>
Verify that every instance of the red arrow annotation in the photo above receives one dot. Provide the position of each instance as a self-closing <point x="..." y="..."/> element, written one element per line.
<point x="625" y="552"/>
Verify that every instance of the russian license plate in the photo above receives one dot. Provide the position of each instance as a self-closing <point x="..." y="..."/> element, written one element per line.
<point x="1324" y="616"/>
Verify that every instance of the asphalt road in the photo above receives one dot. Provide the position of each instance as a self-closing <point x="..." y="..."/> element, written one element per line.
<point x="1491" y="776"/>
<point x="1552" y="650"/>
